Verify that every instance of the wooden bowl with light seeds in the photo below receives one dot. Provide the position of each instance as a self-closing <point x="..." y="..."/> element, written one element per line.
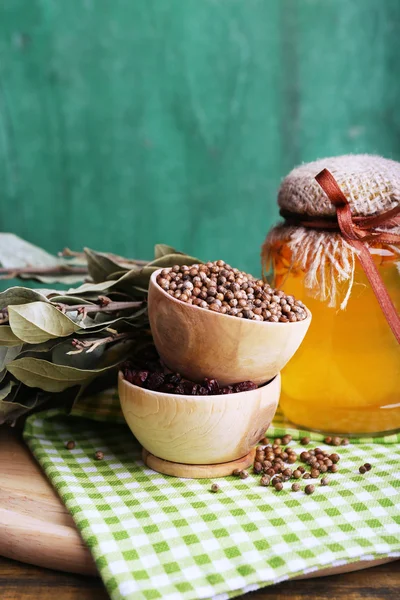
<point x="198" y="436"/>
<point x="200" y="343"/>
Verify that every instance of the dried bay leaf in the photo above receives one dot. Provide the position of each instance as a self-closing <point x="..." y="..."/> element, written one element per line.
<point x="20" y="295"/>
<point x="20" y="401"/>
<point x="47" y="376"/>
<point x="50" y="377"/>
<point x="101" y="266"/>
<point x="89" y="288"/>
<point x="7" y="354"/>
<point x="6" y="389"/>
<point x="38" y="322"/>
<point x="169" y="260"/>
<point x="7" y="337"/>
<point x="83" y="360"/>
<point x="16" y="252"/>
<point x="162" y="250"/>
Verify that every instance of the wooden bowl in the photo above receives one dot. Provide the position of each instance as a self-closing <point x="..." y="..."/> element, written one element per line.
<point x="198" y="430"/>
<point x="198" y="342"/>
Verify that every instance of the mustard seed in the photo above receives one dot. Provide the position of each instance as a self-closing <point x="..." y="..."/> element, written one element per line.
<point x="309" y="489"/>
<point x="70" y="445"/>
<point x="368" y="466"/>
<point x="215" y="487"/>
<point x="304" y="441"/>
<point x="362" y="470"/>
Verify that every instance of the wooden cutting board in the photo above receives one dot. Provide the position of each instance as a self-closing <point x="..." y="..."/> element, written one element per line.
<point x="36" y="528"/>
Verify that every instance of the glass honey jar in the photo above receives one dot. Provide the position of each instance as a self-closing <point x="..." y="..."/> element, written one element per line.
<point x="345" y="378"/>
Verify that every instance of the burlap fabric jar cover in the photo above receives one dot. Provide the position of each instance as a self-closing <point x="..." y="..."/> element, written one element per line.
<point x="339" y="251"/>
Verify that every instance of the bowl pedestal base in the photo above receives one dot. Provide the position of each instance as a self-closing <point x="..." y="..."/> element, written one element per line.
<point x="196" y="471"/>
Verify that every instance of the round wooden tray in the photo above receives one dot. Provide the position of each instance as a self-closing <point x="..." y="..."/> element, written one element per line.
<point x="36" y="528"/>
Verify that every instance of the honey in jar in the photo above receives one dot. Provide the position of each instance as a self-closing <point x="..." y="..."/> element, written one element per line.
<point x="345" y="378"/>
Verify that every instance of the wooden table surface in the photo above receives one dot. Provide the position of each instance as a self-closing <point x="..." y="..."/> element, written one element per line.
<point x="19" y="581"/>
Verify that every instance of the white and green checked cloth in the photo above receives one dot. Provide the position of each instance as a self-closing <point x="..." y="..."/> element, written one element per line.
<point x="154" y="536"/>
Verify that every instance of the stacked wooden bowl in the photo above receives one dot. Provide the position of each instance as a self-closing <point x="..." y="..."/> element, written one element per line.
<point x="205" y="436"/>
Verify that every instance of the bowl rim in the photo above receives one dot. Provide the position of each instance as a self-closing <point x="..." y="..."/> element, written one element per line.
<point x="153" y="281"/>
<point x="186" y="397"/>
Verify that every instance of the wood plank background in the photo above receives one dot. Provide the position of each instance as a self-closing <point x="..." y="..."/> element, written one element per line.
<point x="129" y="122"/>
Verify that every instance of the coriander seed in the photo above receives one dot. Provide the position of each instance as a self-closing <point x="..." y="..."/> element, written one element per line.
<point x="325" y="481"/>
<point x="309" y="489"/>
<point x="99" y="455"/>
<point x="295" y="487"/>
<point x="236" y="472"/>
<point x="278" y="486"/>
<point x="362" y="470"/>
<point x="70" y="445"/>
<point x="243" y="474"/>
<point x="304" y="441"/>
<point x="215" y="487"/>
<point x="265" y="480"/>
<point x="257" y="467"/>
<point x="368" y="466"/>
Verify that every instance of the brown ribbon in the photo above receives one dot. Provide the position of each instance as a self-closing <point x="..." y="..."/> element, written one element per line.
<point x="358" y="231"/>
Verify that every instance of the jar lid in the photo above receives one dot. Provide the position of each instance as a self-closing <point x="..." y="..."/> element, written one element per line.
<point x="370" y="183"/>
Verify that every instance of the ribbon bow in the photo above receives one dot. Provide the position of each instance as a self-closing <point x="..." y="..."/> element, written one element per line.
<point x="358" y="231"/>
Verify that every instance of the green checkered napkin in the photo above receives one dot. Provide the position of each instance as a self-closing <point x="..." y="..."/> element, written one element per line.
<point x="154" y="536"/>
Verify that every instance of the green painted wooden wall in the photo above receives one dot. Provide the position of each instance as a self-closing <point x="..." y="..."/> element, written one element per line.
<point x="128" y="122"/>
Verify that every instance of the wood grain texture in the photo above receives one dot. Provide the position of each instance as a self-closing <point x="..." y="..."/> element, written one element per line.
<point x="35" y="527"/>
<point x="197" y="471"/>
<point x="25" y="582"/>
<point x="126" y="123"/>
<point x="198" y="430"/>
<point x="200" y="343"/>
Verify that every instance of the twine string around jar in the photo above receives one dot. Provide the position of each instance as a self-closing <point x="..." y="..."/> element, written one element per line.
<point x="358" y="232"/>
